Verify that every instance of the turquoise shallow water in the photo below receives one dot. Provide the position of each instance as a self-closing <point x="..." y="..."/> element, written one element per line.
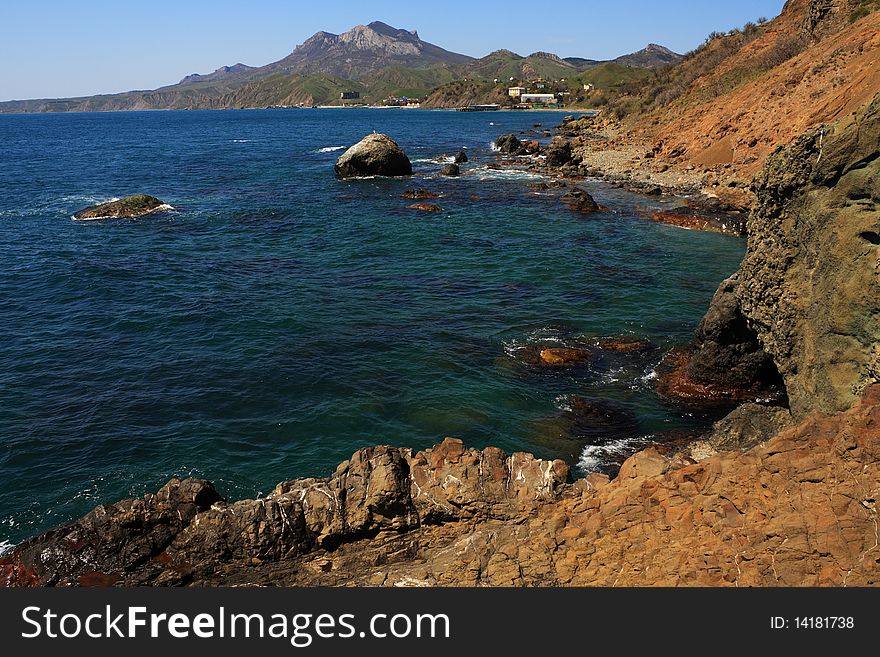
<point x="280" y="319"/>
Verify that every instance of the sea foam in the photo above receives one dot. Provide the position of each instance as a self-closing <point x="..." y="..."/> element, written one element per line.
<point x="594" y="457"/>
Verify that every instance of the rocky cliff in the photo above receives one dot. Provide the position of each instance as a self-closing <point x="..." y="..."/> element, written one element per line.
<point x="811" y="279"/>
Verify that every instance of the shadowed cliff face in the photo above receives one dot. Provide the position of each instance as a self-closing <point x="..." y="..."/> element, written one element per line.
<point x="810" y="282"/>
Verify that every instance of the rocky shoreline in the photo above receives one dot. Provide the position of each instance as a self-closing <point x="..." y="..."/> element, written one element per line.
<point x="781" y="492"/>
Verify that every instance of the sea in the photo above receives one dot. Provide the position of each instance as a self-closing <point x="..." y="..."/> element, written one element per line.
<point x="279" y="319"/>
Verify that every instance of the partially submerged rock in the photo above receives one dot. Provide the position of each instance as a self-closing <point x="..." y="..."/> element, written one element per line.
<point x="138" y="205"/>
<point x="374" y="155"/>
<point x="549" y="356"/>
<point x="564" y="356"/>
<point x="425" y="207"/>
<point x="419" y="193"/>
<point x="461" y="157"/>
<point x="696" y="219"/>
<point x="508" y="144"/>
<point x="725" y="360"/>
<point x="625" y="344"/>
<point x="580" y="201"/>
<point x="450" y="170"/>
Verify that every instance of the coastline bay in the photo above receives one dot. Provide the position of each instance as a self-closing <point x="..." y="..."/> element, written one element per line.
<point x="279" y="319"/>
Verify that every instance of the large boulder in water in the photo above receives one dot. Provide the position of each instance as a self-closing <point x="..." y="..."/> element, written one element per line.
<point x="580" y="201"/>
<point x="374" y="155"/>
<point x="131" y="206"/>
<point x="508" y="144"/>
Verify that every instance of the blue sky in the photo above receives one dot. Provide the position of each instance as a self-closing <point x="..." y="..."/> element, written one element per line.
<point x="59" y="48"/>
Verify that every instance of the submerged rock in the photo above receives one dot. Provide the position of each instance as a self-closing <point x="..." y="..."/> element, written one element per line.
<point x="551" y="357"/>
<point x="564" y="356"/>
<point x="419" y="193"/>
<point x="625" y="344"/>
<point x="583" y="422"/>
<point x="374" y="155"/>
<point x="425" y="207"/>
<point x="129" y="207"/>
<point x="450" y="170"/>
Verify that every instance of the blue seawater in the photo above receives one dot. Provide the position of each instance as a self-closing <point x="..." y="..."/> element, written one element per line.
<point x="280" y="319"/>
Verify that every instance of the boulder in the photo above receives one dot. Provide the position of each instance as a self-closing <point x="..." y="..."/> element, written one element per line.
<point x="129" y="207"/>
<point x="580" y="201"/>
<point x="508" y="144"/>
<point x="747" y="426"/>
<point x="450" y="170"/>
<point x="558" y="153"/>
<point x="374" y="155"/>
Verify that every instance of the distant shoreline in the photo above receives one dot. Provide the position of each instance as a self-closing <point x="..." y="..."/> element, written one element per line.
<point x="347" y="107"/>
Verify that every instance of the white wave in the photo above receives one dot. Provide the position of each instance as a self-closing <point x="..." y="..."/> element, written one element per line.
<point x="5" y="546"/>
<point x="545" y="335"/>
<point x="243" y="141"/>
<point x="613" y="375"/>
<point x="329" y="149"/>
<point x="486" y="173"/>
<point x="594" y="457"/>
<point x="494" y="147"/>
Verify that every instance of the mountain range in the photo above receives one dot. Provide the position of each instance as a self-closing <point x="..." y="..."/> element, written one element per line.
<point x="375" y="60"/>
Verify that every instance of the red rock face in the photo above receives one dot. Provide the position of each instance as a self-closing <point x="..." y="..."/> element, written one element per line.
<point x="13" y="573"/>
<point x="695" y="221"/>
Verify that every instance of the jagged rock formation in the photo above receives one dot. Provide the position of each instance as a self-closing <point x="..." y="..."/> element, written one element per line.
<point x="797" y="510"/>
<point x="811" y="278"/>
<point x="186" y="533"/>
<point x="364" y="49"/>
